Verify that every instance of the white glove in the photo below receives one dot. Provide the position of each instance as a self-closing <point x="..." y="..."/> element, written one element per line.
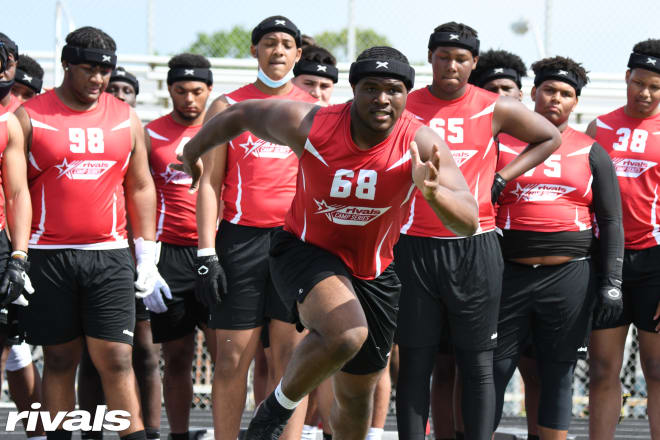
<point x="155" y="302"/>
<point x="147" y="272"/>
<point x="21" y="300"/>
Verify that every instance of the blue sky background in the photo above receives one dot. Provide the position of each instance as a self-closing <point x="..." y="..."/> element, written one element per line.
<point x="600" y="34"/>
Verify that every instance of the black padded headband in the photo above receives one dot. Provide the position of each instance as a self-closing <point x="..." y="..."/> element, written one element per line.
<point x="454" y="39"/>
<point x="647" y="62"/>
<point x="497" y="73"/>
<point x="202" y="74"/>
<point x="122" y="75"/>
<point x="306" y="67"/>
<point x="29" y="81"/>
<point x="80" y="55"/>
<point x="566" y="76"/>
<point x="276" y="24"/>
<point x="387" y="68"/>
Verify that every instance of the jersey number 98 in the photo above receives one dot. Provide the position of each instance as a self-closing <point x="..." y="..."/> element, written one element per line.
<point x="90" y="140"/>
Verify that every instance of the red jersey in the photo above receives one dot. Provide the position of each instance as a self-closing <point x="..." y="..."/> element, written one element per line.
<point x="348" y="201"/>
<point x="634" y="146"/>
<point x="4" y="140"/>
<point x="553" y="196"/>
<point x="260" y="178"/>
<point x="77" y="164"/>
<point x="176" y="223"/>
<point x="14" y="103"/>
<point x="465" y="124"/>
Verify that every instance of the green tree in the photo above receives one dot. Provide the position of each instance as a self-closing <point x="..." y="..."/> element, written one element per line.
<point x="337" y="42"/>
<point x="234" y="43"/>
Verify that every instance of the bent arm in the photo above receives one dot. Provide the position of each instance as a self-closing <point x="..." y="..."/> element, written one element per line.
<point x="17" y="194"/>
<point x="279" y="121"/>
<point x="449" y="196"/>
<point x="513" y="118"/>
<point x="607" y="207"/>
<point x="139" y="186"/>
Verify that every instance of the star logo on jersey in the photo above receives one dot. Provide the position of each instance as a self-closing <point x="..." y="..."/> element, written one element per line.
<point x="321" y="68"/>
<point x="462" y="156"/>
<point x="383" y="64"/>
<point x="280" y="23"/>
<point x="263" y="149"/>
<point x="540" y="192"/>
<point x="634" y="168"/>
<point x="106" y="59"/>
<point x="120" y="73"/>
<point x="27" y="78"/>
<point x="454" y="37"/>
<point x="189" y="72"/>
<point x="650" y="61"/>
<point x="84" y="169"/>
<point x="562" y="72"/>
<point x="176" y="177"/>
<point x="349" y="215"/>
<point x="498" y="70"/>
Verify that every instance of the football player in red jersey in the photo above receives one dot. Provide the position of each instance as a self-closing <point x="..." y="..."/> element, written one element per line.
<point x="446" y="291"/>
<point x="174" y="319"/>
<point x="28" y="80"/>
<point x="316" y="73"/>
<point x="257" y="178"/>
<point x="88" y="169"/>
<point x="630" y="135"/>
<point x="331" y="263"/>
<point x="125" y="86"/>
<point x="7" y="99"/>
<point x="546" y="220"/>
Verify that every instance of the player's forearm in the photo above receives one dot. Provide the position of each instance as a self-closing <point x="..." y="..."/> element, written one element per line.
<point x="141" y="207"/>
<point x="222" y="128"/>
<point x="531" y="156"/>
<point x="19" y="216"/>
<point x="207" y="215"/>
<point x="457" y="210"/>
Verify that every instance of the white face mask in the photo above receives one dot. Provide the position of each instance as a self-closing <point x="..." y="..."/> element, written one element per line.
<point x="271" y="82"/>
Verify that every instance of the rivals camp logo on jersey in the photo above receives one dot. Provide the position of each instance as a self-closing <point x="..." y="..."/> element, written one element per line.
<point x="349" y="215"/>
<point x="631" y="167"/>
<point x="176" y="177"/>
<point x="261" y="148"/>
<point x="462" y="156"/>
<point x="84" y="169"/>
<point x="540" y="192"/>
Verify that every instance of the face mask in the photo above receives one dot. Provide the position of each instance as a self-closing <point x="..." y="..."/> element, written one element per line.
<point x="271" y="82"/>
<point x="5" y="88"/>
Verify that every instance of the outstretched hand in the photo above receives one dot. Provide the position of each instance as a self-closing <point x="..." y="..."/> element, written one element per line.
<point x="425" y="174"/>
<point x="193" y="169"/>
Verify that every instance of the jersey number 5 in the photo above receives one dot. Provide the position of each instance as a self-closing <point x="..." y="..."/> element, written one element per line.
<point x="80" y="143"/>
<point x="365" y="188"/>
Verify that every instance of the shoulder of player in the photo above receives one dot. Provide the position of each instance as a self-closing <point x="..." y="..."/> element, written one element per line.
<point x="573" y="140"/>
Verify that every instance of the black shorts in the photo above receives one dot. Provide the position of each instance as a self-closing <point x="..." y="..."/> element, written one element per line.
<point x="176" y="265"/>
<point x="641" y="289"/>
<point x="251" y="297"/>
<point x="141" y="311"/>
<point x="297" y="267"/>
<point x="80" y="292"/>
<point x="552" y="303"/>
<point x="457" y="281"/>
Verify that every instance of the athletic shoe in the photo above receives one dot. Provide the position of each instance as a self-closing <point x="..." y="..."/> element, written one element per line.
<point x="266" y="423"/>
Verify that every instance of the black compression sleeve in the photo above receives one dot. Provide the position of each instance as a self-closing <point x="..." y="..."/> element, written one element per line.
<point x="607" y="207"/>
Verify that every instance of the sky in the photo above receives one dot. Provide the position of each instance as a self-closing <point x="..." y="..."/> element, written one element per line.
<point x="598" y="33"/>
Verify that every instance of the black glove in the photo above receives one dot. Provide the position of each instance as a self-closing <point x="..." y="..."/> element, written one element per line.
<point x="211" y="281"/>
<point x="498" y="186"/>
<point x="609" y="306"/>
<point x="13" y="280"/>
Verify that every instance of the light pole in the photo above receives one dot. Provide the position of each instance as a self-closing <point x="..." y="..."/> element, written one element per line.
<point x="524" y="25"/>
